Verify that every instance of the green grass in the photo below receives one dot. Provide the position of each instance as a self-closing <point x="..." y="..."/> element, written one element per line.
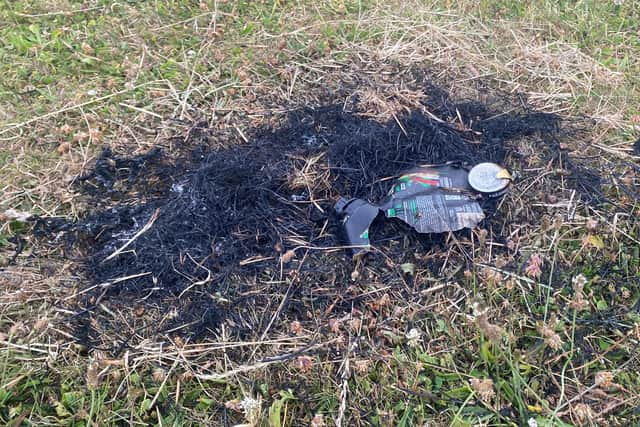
<point x="178" y="59"/>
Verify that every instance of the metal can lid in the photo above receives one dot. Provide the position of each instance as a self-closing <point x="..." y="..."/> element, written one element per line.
<point x="489" y="178"/>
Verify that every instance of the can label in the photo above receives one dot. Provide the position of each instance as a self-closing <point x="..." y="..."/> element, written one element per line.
<point x="434" y="200"/>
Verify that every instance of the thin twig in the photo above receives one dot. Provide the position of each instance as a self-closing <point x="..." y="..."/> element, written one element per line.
<point x="57" y="13"/>
<point x="16" y="126"/>
<point x="106" y="284"/>
<point x="164" y="381"/>
<point x="248" y="368"/>
<point x="517" y="276"/>
<point x="141" y="110"/>
<point x="143" y="230"/>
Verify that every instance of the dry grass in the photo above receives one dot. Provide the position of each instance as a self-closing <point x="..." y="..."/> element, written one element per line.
<point x="511" y="339"/>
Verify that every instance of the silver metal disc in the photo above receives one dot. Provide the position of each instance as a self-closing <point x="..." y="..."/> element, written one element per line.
<point x="484" y="178"/>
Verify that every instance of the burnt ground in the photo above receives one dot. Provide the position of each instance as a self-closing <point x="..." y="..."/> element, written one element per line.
<point x="215" y="229"/>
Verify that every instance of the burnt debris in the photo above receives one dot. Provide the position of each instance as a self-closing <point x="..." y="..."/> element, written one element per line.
<point x="198" y="230"/>
<point x="429" y="198"/>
